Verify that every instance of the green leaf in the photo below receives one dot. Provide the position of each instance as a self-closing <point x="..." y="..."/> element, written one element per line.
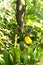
<point x="15" y="54"/>
<point x="12" y="22"/>
<point x="7" y="58"/>
<point x="2" y="62"/>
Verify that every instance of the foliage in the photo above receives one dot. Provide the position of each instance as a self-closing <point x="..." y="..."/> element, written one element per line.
<point x="26" y="47"/>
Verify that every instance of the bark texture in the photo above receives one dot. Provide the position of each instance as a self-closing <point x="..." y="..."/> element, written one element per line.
<point x="19" y="13"/>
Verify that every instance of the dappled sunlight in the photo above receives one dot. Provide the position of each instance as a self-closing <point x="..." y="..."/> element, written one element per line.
<point x="21" y="32"/>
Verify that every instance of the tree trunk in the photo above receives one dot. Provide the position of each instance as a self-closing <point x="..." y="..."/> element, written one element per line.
<point x="19" y="13"/>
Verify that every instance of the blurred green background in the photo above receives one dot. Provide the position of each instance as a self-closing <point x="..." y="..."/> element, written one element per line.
<point x="26" y="47"/>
